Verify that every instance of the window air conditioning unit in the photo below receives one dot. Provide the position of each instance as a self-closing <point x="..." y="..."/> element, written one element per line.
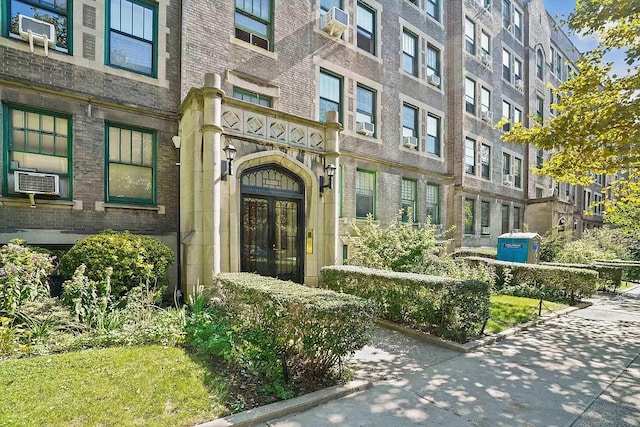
<point x="434" y="80"/>
<point x="486" y="59"/>
<point x="507" y="180"/>
<point x="36" y="183"/>
<point x="519" y="84"/>
<point x="335" y="21"/>
<point x="485" y="230"/>
<point x="38" y="31"/>
<point x="365" y="128"/>
<point x="486" y="116"/>
<point x="410" y="142"/>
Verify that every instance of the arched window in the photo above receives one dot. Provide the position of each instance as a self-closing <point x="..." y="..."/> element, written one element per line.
<point x="540" y="64"/>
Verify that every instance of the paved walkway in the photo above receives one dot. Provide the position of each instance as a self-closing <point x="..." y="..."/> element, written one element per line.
<point x="581" y="369"/>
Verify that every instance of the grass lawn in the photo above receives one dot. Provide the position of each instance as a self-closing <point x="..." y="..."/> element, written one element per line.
<point x="120" y="386"/>
<point x="508" y="311"/>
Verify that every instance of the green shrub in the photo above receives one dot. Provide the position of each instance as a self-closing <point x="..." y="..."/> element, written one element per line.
<point x="310" y="329"/>
<point x="87" y="299"/>
<point x="134" y="259"/>
<point x="595" y="244"/>
<point x="536" y="280"/>
<point x="481" y="252"/>
<point x="609" y="275"/>
<point x="24" y="274"/>
<point x="446" y="306"/>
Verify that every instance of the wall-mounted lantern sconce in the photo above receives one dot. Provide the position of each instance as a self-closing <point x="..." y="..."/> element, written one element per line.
<point x="331" y="171"/>
<point x="177" y="141"/>
<point x="227" y="166"/>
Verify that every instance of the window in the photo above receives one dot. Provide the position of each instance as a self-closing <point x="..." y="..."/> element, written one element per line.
<point x="366" y="105"/>
<point x="410" y="53"/>
<point x="539" y="193"/>
<point x="505" y="219"/>
<point x="516" y="218"/>
<point x="433" y="9"/>
<point x="552" y="58"/>
<point x="506" y="113"/>
<point x="433" y="203"/>
<point x="409" y="120"/>
<point x="517" y="172"/>
<point x="132" y="43"/>
<point x="485" y="217"/>
<point x="558" y="65"/>
<point x="540" y="64"/>
<point x="254" y="23"/>
<point x="517" y="115"/>
<point x="539" y="109"/>
<point x="485" y="99"/>
<point x="330" y="94"/>
<point x="469" y="216"/>
<point x="409" y="206"/>
<point x="131" y="165"/>
<point x="56" y="12"/>
<point x="470" y="96"/>
<point x="366" y="39"/>
<point x="506" y="65"/>
<point x="485" y="161"/>
<point x="252" y="97"/>
<point x="485" y="43"/>
<point x="517" y="24"/>
<point x="470" y="36"/>
<point x="365" y="193"/>
<point x="39" y="141"/>
<point x="539" y="158"/>
<point x="586" y="201"/>
<point x="506" y="165"/>
<point x="433" y="60"/>
<point x="433" y="135"/>
<point x="326" y="5"/>
<point x="506" y="13"/>
<point x="517" y="70"/>
<point x="470" y="156"/>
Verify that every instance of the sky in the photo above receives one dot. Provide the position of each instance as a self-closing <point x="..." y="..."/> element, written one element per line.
<point x="563" y="8"/>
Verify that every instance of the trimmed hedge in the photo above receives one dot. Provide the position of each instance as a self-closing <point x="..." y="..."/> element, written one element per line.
<point x="535" y="280"/>
<point x="630" y="269"/>
<point x="452" y="308"/>
<point x="311" y="329"/>
<point x="609" y="276"/>
<point x="479" y="252"/>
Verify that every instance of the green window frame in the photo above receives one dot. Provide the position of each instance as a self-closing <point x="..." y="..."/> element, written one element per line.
<point x="485" y="214"/>
<point x="433" y="135"/>
<point x="409" y="196"/>
<point x="130" y="170"/>
<point x="505" y="219"/>
<point x="254" y="22"/>
<point x="366" y="106"/>
<point x="330" y="94"/>
<point x="433" y="203"/>
<point x="516" y="217"/>
<point x="131" y="42"/>
<point x="56" y="12"/>
<point x="38" y="141"/>
<point x="469" y="216"/>
<point x="365" y="193"/>
<point x="366" y="28"/>
<point x="252" y="97"/>
<point x="410" y="120"/>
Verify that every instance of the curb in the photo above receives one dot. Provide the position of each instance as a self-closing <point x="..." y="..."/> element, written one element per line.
<point x="474" y="345"/>
<point x="275" y="410"/>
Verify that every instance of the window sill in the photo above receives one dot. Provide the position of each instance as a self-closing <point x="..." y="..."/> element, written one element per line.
<point x="102" y="207"/>
<point x="24" y="202"/>
<point x="256" y="49"/>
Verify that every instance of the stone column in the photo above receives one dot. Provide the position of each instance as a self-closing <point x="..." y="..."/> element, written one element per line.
<point x="331" y="197"/>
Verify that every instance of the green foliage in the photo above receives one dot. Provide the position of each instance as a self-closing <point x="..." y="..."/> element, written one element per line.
<point x="308" y="329"/>
<point x="535" y="280"/>
<point x="404" y="248"/>
<point x="87" y="299"/>
<point x="551" y="243"/>
<point x="133" y="258"/>
<point x="595" y="244"/>
<point x="24" y="274"/>
<point x="447" y="306"/>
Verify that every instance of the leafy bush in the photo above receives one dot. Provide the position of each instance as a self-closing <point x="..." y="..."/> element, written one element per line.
<point x="595" y="244"/>
<point x="24" y="274"/>
<point x="87" y="299"/>
<point x="552" y="243"/>
<point x="308" y="329"/>
<point x="449" y="307"/>
<point x="404" y="248"/>
<point x="481" y="252"/>
<point x="134" y="259"/>
<point x="609" y="275"/>
<point x="535" y="280"/>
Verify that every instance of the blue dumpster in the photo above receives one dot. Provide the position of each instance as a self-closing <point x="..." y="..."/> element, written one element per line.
<point x="519" y="247"/>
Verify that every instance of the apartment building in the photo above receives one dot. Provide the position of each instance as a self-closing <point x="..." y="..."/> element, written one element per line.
<point x="89" y="92"/>
<point x="251" y="135"/>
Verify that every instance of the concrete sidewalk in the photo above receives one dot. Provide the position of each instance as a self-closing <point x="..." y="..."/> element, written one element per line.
<point x="581" y="369"/>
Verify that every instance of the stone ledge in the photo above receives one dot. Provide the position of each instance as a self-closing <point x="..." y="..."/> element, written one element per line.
<point x="279" y="409"/>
